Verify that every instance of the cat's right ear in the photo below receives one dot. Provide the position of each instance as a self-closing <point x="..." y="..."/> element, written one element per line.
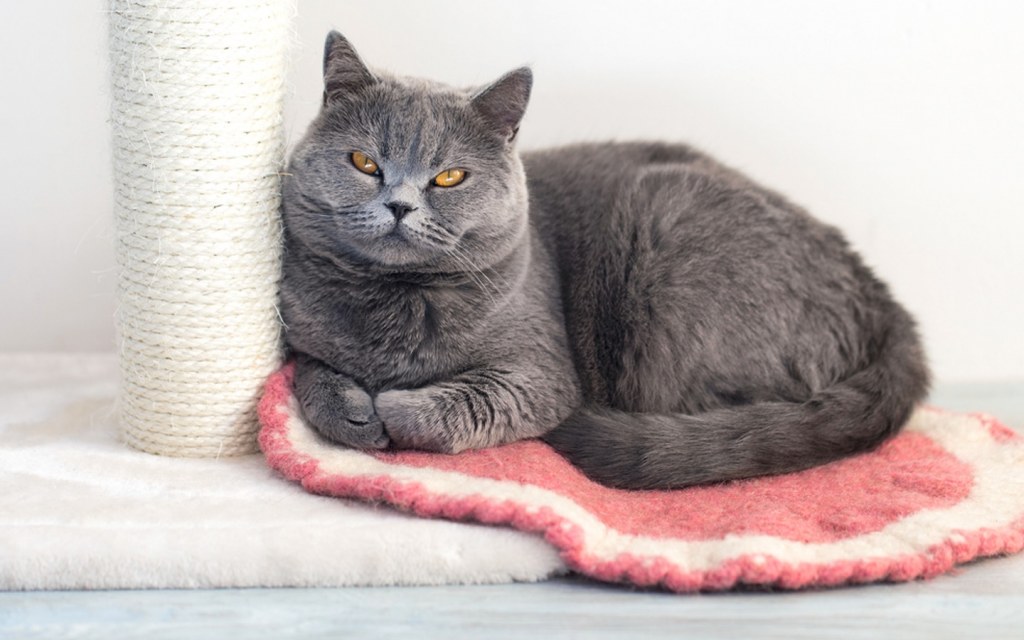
<point x="344" y="72"/>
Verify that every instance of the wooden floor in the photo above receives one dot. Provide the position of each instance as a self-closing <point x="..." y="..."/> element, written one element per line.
<point x="982" y="600"/>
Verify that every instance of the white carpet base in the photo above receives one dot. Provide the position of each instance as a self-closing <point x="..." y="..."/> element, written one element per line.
<point x="80" y="510"/>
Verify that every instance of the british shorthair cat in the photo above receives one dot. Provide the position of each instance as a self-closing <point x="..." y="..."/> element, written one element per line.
<point x="657" y="317"/>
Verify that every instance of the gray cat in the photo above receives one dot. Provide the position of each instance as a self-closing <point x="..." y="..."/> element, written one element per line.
<point x="655" y="316"/>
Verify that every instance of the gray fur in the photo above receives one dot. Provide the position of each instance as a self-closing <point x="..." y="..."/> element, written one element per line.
<point x="657" y="317"/>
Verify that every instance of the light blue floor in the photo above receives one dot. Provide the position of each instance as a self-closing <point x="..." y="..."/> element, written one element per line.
<point x="982" y="600"/>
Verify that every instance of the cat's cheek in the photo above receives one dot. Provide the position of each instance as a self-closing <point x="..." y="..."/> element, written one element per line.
<point x="412" y="421"/>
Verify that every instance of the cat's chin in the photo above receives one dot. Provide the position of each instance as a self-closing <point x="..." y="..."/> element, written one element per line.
<point x="394" y="251"/>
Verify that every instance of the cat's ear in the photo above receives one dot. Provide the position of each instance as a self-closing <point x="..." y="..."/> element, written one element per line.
<point x="344" y="72"/>
<point x="503" y="103"/>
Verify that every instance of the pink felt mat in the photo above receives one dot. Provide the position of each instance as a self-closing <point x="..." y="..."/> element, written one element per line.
<point x="949" y="489"/>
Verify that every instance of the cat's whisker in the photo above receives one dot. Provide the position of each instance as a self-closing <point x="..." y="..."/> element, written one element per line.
<point x="481" y="273"/>
<point x="437" y="232"/>
<point x="471" y="273"/>
<point x="484" y="282"/>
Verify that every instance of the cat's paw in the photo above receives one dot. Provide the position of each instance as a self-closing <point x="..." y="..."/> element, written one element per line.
<point x="345" y="416"/>
<point x="412" y="421"/>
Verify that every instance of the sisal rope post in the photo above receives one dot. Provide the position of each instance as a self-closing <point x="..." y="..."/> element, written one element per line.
<point x="198" y="144"/>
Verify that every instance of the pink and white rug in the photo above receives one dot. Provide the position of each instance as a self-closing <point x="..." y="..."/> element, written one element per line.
<point x="949" y="489"/>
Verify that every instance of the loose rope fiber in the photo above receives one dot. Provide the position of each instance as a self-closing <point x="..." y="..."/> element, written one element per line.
<point x="198" y="143"/>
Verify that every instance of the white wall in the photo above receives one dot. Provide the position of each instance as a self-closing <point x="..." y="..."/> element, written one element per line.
<point x="900" y="122"/>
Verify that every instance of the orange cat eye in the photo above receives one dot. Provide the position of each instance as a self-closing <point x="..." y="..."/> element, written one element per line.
<point x="364" y="163"/>
<point x="449" y="177"/>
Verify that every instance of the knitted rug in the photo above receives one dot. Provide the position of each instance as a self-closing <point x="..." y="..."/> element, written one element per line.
<point x="948" y="489"/>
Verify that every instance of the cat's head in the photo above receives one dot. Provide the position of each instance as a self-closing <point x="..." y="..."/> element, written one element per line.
<point x="408" y="174"/>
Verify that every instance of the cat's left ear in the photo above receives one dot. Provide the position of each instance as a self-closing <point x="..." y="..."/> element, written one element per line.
<point x="503" y="103"/>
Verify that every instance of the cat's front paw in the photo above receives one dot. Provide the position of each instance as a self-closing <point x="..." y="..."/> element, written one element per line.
<point x="412" y="421"/>
<point x="345" y="416"/>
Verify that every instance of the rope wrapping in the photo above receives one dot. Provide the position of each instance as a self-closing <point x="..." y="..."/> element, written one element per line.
<point x="198" y="144"/>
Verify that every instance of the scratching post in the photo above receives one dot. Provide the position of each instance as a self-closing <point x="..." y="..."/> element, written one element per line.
<point x="198" y="87"/>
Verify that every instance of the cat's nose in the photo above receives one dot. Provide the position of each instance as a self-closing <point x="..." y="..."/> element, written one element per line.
<point x="399" y="209"/>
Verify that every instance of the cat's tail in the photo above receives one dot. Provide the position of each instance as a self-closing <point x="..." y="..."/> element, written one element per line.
<point x="662" y="451"/>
